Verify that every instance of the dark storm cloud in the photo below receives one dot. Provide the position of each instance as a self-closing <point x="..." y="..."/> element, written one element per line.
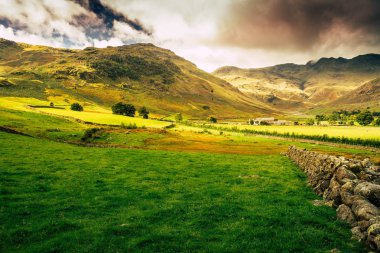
<point x="300" y="24"/>
<point x="108" y="15"/>
<point x="15" y="24"/>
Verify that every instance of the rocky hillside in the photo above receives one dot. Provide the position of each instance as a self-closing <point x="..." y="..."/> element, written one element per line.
<point x="367" y="94"/>
<point x="305" y="86"/>
<point x="142" y="74"/>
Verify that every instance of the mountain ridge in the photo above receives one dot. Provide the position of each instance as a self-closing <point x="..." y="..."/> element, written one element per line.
<point x="299" y="87"/>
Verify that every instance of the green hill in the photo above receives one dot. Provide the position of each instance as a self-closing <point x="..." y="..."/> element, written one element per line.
<point x="141" y="74"/>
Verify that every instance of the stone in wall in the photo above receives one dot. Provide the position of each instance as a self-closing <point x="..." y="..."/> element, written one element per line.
<point x="352" y="186"/>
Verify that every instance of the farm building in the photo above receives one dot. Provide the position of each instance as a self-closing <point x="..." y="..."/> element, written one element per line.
<point x="269" y="121"/>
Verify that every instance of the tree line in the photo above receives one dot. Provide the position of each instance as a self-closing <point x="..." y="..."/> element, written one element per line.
<point x="129" y="110"/>
<point x="348" y="118"/>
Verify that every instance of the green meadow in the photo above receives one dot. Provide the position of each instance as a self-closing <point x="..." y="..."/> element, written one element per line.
<point x="363" y="132"/>
<point x="57" y="197"/>
<point x="155" y="189"/>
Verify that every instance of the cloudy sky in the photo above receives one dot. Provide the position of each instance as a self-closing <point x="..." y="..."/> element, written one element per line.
<point x="211" y="33"/>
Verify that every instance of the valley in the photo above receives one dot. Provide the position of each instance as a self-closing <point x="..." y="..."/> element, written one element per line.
<point x="189" y="126"/>
<point x="143" y="184"/>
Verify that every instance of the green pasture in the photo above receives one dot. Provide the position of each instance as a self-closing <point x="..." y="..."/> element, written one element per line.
<point x="93" y="114"/>
<point x="363" y="132"/>
<point x="57" y="197"/>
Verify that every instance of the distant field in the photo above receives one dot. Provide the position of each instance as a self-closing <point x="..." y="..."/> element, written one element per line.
<point x="180" y="138"/>
<point x="106" y="118"/>
<point x="362" y="132"/>
<point x="62" y="198"/>
<point x="92" y="114"/>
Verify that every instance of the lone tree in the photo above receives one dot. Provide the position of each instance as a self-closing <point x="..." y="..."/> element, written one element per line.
<point x="212" y="119"/>
<point x="144" y="112"/>
<point x="76" y="107"/>
<point x="364" y="118"/>
<point x="124" y="109"/>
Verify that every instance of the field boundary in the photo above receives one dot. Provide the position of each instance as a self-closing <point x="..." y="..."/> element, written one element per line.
<point x="351" y="186"/>
<point x="11" y="131"/>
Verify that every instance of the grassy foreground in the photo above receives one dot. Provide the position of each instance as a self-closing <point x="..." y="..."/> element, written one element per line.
<point x="61" y="198"/>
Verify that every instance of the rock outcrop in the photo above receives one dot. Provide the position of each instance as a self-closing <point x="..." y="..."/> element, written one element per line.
<point x="351" y="186"/>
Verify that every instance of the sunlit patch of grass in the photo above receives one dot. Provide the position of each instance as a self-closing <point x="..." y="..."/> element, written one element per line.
<point x="334" y="131"/>
<point x="93" y="114"/>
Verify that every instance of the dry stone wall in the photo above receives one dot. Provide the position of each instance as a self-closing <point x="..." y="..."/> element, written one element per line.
<point x="351" y="186"/>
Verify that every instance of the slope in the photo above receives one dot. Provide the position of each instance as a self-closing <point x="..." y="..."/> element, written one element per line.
<point x="297" y="87"/>
<point x="141" y="74"/>
<point x="367" y="95"/>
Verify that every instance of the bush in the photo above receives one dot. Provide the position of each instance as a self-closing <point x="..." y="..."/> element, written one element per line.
<point x="364" y="118"/>
<point x="376" y="122"/>
<point x="124" y="109"/>
<point x="144" y="112"/>
<point x="178" y="117"/>
<point x="76" y="107"/>
<point x="90" y="134"/>
<point x="212" y="119"/>
<point x="309" y="122"/>
<point x="129" y="126"/>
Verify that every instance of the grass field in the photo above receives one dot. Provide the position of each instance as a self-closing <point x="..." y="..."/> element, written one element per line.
<point x="362" y="132"/>
<point x="183" y="189"/>
<point x="92" y="114"/>
<point x="58" y="198"/>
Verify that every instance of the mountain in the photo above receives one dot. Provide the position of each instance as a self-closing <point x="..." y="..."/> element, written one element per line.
<point x="141" y="74"/>
<point x="298" y="87"/>
<point x="367" y="94"/>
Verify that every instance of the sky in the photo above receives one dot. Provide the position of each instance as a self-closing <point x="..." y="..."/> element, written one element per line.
<point x="210" y="33"/>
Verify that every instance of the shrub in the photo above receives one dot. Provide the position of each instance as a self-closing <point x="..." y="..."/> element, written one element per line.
<point x="212" y="119"/>
<point x="76" y="107"/>
<point x="129" y="126"/>
<point x="90" y="134"/>
<point x="51" y="104"/>
<point x="309" y="122"/>
<point x="376" y="122"/>
<point x="178" y="117"/>
<point x="124" y="109"/>
<point x="144" y="112"/>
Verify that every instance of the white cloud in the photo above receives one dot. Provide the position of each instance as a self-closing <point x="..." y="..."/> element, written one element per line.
<point x="189" y="28"/>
